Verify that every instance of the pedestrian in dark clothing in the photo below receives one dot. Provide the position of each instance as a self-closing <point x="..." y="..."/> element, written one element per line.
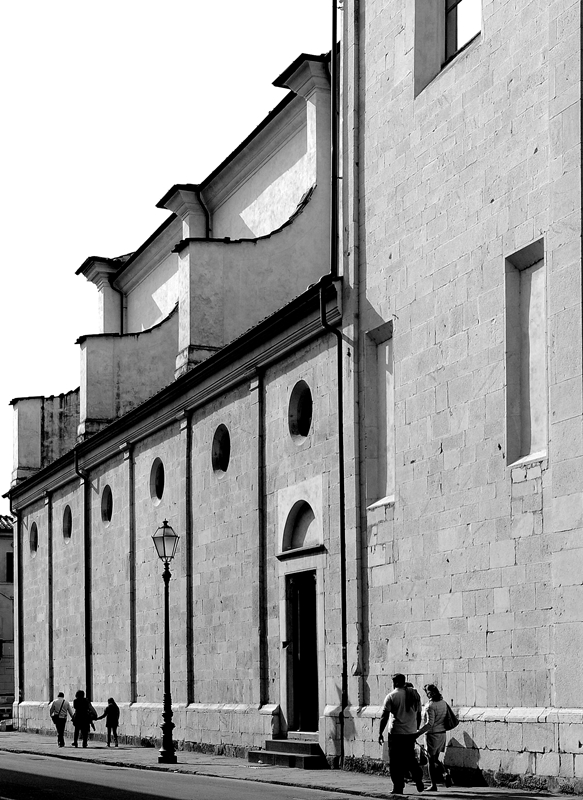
<point x="82" y="718"/>
<point x="402" y="706"/>
<point x="58" y="710"/>
<point x="111" y="715"/>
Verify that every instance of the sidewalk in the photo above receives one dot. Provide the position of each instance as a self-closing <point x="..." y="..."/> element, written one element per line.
<point x="355" y="783"/>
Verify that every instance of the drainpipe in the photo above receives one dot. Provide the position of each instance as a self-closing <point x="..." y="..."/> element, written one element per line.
<point x="324" y="282"/>
<point x="207" y="216"/>
<point x="19" y="615"/>
<point x="121" y="302"/>
<point x="84" y="475"/>
<point x="190" y="673"/>
<point x="262" y="539"/>
<point x="50" y="610"/>
<point x="334" y="144"/>
<point x="128" y="455"/>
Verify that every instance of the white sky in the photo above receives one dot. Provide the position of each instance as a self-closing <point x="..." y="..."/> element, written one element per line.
<point x="104" y="107"/>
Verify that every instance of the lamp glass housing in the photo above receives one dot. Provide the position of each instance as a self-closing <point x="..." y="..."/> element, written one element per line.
<point x="166" y="541"/>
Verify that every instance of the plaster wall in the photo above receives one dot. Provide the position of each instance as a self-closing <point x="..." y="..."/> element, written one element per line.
<point x="120" y="372"/>
<point x="270" y="193"/>
<point x="219" y="280"/>
<point x="469" y="572"/>
<point x="154" y="297"/>
<point x="44" y="429"/>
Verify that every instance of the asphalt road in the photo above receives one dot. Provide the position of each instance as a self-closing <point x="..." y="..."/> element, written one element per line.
<point x="31" y="777"/>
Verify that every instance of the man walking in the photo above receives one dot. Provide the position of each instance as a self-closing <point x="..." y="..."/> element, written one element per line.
<point x="403" y="706"/>
<point x="58" y="710"/>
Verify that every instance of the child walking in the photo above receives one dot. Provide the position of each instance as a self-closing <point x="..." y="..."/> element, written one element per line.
<point x="111" y="715"/>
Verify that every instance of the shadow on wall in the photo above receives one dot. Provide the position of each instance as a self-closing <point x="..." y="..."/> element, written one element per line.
<point x="463" y="760"/>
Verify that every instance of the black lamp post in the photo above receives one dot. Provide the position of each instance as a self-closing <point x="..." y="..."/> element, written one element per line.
<point x="166" y="542"/>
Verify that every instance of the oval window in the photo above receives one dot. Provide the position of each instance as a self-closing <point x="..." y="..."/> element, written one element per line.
<point x="157" y="481"/>
<point x="33" y="538"/>
<point x="300" y="410"/>
<point x="221" y="452"/>
<point x="67" y="523"/>
<point x="106" y="505"/>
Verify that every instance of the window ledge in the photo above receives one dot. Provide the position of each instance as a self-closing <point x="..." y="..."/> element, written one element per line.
<point x="386" y="501"/>
<point x="531" y="458"/>
<point x="462" y="49"/>
<point x="300" y="551"/>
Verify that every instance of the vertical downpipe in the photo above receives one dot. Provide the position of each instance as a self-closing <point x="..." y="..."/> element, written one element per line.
<point x="262" y="543"/>
<point x="50" y="598"/>
<point x="186" y="426"/>
<point x="19" y="615"/>
<point x="353" y="245"/>
<point x="339" y="365"/>
<point x="129" y="456"/>
<point x="86" y="485"/>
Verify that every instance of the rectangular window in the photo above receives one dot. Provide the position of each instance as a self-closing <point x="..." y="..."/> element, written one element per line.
<point x="442" y="29"/>
<point x="9" y="567"/>
<point x="380" y="416"/>
<point x="462" y="24"/>
<point x="526" y="374"/>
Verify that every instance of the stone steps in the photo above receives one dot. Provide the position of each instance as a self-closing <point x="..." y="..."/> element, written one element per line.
<point x="293" y="753"/>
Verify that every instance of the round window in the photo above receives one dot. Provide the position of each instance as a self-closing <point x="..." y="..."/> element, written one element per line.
<point x="33" y="538"/>
<point x="106" y="505"/>
<point x="157" y="479"/>
<point x="221" y="452"/>
<point x="67" y="523"/>
<point x="300" y="410"/>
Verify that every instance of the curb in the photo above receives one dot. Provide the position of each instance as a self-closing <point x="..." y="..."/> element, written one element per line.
<point x="204" y="772"/>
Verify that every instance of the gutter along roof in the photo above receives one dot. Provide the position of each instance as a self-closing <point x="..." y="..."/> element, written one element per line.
<point x="268" y="342"/>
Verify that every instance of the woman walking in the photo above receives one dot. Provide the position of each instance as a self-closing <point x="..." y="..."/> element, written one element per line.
<point x="434" y="713"/>
<point x="82" y="718"/>
<point x="111" y="715"/>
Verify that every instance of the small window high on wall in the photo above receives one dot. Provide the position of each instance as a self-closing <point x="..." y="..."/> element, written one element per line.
<point x="526" y="367"/>
<point x="380" y="415"/>
<point x="443" y="28"/>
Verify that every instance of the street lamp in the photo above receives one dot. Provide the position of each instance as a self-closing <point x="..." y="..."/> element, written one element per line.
<point x="166" y="542"/>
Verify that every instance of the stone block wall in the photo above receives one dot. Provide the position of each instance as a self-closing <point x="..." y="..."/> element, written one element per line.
<point x="35" y="604"/>
<point x="225" y="553"/>
<point x="217" y="658"/>
<point x="68" y="599"/>
<point x="469" y="573"/>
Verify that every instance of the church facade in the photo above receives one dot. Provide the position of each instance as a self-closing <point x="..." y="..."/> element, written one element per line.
<point x="368" y="435"/>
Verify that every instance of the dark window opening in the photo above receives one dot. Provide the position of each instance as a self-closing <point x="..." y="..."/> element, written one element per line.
<point x="106" y="505"/>
<point x="221" y="451"/>
<point x="300" y="410"/>
<point x="9" y="567"/>
<point x="33" y="540"/>
<point x="67" y="523"/>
